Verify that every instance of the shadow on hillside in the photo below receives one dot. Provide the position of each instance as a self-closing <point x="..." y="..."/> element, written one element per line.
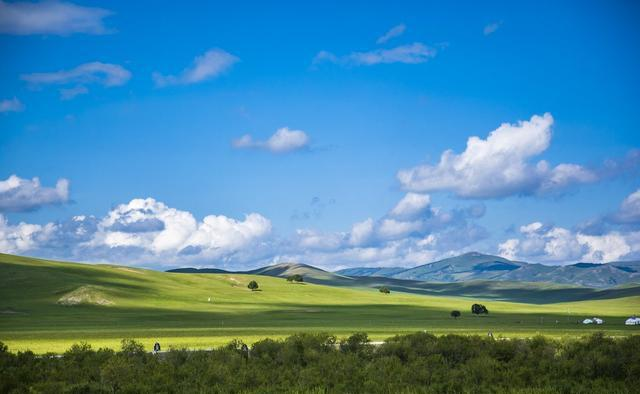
<point x="526" y="292"/>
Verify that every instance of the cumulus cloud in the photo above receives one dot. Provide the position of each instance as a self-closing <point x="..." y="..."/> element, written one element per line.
<point x="19" y="195"/>
<point x="491" y="28"/>
<point x="23" y="236"/>
<point x="408" y="54"/>
<point x="51" y="17"/>
<point x="552" y="244"/>
<point x="205" y="67"/>
<point x="282" y="141"/>
<point x="11" y="105"/>
<point x="411" y="205"/>
<point x="395" y="31"/>
<point x="155" y="228"/>
<point x="499" y="165"/>
<point x="140" y="231"/>
<point x="413" y="232"/>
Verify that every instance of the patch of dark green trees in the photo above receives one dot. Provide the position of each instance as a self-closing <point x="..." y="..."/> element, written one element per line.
<point x="319" y="363"/>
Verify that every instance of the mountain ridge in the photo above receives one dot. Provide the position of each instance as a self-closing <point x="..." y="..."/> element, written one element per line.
<point x="472" y="266"/>
<point x="478" y="266"/>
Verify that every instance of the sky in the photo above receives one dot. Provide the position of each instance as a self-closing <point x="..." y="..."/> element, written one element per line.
<point x="336" y="134"/>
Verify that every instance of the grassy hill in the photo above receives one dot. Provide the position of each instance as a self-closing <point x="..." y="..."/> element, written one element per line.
<point x="47" y="306"/>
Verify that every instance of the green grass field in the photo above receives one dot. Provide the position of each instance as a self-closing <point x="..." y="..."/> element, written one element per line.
<point x="122" y="302"/>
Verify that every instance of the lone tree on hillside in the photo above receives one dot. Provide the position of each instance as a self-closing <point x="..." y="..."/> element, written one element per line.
<point x="385" y="290"/>
<point x="253" y="285"/>
<point x="295" y="278"/>
<point x="455" y="314"/>
<point x="479" y="309"/>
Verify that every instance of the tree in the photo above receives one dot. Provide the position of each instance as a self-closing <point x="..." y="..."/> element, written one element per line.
<point x="253" y="285"/>
<point x="385" y="290"/>
<point x="479" y="309"/>
<point x="455" y="314"/>
<point x="295" y="278"/>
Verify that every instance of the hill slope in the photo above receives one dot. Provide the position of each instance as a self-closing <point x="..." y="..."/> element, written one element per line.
<point x="49" y="305"/>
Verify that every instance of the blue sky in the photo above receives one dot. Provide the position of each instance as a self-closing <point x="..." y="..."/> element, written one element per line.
<point x="139" y="111"/>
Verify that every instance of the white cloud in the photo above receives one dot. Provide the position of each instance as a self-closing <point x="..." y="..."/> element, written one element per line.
<point x="105" y="74"/>
<point x="629" y="211"/>
<point x="409" y="54"/>
<point x="491" y="28"/>
<point x="282" y="141"/>
<point x="393" y="229"/>
<point x="361" y="232"/>
<point x="11" y="105"/>
<point x="51" y="17"/>
<point x="411" y="205"/>
<point x="148" y="232"/>
<point x="22" y="237"/>
<point x="553" y="244"/>
<point x="205" y="67"/>
<point x="179" y="231"/>
<point x="499" y="166"/>
<point x="141" y="231"/>
<point x="17" y="194"/>
<point x="412" y="233"/>
<point x="395" y="31"/>
<point x="603" y="248"/>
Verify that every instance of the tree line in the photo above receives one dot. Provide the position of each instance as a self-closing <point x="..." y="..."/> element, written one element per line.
<point x="319" y="363"/>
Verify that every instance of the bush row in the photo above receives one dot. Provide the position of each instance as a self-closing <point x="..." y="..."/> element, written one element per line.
<point x="318" y="363"/>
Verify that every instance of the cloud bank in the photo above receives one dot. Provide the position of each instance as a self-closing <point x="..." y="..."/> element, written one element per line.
<point x="140" y="231"/>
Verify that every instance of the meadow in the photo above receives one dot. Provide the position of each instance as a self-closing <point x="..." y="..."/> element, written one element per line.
<point x="46" y="306"/>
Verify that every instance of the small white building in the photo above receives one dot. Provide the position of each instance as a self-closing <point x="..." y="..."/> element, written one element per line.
<point x="587" y="321"/>
<point x="632" y="321"/>
<point x="598" y="321"/>
<point x="594" y="320"/>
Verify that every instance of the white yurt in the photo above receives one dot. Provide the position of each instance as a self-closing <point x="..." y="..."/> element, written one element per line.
<point x="587" y="321"/>
<point x="597" y="320"/>
<point x="632" y="321"/>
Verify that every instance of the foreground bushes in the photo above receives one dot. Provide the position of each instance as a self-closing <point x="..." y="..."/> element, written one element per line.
<point x="317" y="363"/>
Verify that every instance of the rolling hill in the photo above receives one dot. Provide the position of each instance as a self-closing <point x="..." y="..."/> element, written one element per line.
<point x="477" y="266"/>
<point x="49" y="305"/>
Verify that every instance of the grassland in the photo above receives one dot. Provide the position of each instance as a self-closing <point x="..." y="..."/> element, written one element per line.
<point x="114" y="302"/>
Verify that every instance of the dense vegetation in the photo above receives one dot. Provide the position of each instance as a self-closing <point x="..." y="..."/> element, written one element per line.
<point x="318" y="363"/>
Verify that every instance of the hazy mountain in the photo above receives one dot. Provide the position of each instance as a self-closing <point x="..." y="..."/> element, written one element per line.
<point x="477" y="266"/>
<point x="366" y="271"/>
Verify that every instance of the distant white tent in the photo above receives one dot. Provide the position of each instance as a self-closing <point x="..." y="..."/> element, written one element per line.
<point x="632" y="321"/>
<point x="598" y="321"/>
<point x="587" y="321"/>
<point x="594" y="320"/>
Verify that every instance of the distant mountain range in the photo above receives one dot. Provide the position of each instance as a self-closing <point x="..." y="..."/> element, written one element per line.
<point x="477" y="266"/>
<point x="464" y="268"/>
<point x="491" y="286"/>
